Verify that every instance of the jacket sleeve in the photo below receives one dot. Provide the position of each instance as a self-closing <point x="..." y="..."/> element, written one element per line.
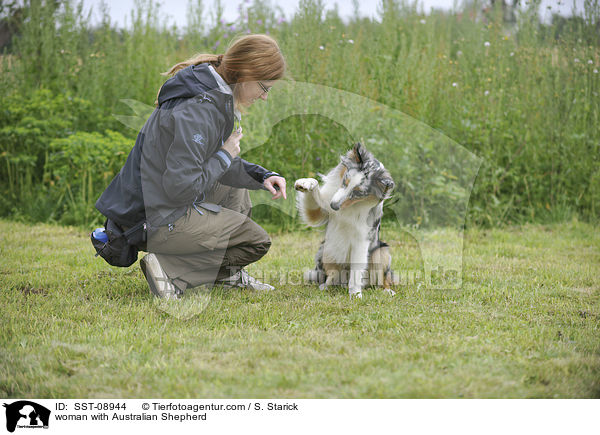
<point x="194" y="161"/>
<point x="246" y="175"/>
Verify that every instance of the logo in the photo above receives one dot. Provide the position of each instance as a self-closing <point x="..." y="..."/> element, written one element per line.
<point x="26" y="414"/>
<point x="198" y="139"/>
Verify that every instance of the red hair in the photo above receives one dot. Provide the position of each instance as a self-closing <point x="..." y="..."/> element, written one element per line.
<point x="249" y="58"/>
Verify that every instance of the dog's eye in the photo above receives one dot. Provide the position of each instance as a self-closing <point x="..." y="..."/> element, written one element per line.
<point x="357" y="191"/>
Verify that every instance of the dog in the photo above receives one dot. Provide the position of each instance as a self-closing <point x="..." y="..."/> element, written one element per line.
<point x="350" y="204"/>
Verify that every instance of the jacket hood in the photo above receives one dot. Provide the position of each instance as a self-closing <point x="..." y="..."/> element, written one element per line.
<point x="192" y="81"/>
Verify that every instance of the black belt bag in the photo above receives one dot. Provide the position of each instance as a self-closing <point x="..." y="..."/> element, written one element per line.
<point x="121" y="249"/>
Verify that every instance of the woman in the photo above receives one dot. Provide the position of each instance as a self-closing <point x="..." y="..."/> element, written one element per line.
<point x="184" y="177"/>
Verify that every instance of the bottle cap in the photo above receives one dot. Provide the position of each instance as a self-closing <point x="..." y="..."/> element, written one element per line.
<point x="100" y="235"/>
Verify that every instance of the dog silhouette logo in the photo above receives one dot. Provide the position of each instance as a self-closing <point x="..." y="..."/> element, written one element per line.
<point x="199" y="139"/>
<point x="26" y="414"/>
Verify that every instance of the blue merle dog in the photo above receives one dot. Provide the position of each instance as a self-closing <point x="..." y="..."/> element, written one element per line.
<point x="350" y="204"/>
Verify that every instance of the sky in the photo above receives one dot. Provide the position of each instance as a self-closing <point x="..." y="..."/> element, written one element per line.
<point x="176" y="9"/>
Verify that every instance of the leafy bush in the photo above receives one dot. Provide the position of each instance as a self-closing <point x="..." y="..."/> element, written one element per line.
<point x="78" y="170"/>
<point x="27" y="128"/>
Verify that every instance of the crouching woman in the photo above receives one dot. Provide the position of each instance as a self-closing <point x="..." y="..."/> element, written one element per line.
<point x="184" y="176"/>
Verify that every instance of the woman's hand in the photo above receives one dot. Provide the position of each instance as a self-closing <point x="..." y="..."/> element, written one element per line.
<point x="232" y="144"/>
<point x="275" y="181"/>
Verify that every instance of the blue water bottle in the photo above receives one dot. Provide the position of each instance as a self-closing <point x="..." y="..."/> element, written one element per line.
<point x="100" y="235"/>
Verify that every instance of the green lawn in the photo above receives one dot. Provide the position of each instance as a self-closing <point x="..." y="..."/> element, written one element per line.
<point x="526" y="323"/>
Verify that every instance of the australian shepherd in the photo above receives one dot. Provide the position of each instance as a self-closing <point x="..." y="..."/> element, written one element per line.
<point x="350" y="204"/>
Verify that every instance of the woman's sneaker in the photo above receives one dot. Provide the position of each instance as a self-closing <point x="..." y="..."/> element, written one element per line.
<point x="241" y="279"/>
<point x="158" y="281"/>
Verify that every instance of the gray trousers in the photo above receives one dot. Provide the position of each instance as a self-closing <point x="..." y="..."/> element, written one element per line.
<point x="203" y="248"/>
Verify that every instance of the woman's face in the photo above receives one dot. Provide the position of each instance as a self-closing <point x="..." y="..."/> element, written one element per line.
<point x="251" y="91"/>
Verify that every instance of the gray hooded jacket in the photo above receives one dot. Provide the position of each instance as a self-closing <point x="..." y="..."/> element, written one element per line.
<point x="177" y="156"/>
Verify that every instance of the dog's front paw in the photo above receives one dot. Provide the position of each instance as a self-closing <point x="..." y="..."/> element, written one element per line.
<point x="306" y="184"/>
<point x="389" y="291"/>
<point x="355" y="292"/>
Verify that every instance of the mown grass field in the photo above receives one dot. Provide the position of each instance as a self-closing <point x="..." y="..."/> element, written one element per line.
<point x="526" y="323"/>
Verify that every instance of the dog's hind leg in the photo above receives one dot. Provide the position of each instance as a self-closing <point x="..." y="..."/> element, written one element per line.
<point x="380" y="268"/>
<point x="317" y="275"/>
<point x="334" y="275"/>
<point x="333" y="271"/>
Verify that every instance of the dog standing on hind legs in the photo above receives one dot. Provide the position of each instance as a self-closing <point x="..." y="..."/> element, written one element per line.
<point x="350" y="204"/>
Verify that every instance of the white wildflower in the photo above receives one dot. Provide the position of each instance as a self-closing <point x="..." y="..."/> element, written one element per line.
<point x="512" y="53"/>
<point x="454" y="84"/>
<point x="590" y="62"/>
<point x="423" y="21"/>
<point x="487" y="44"/>
<point x="321" y="47"/>
<point x="486" y="93"/>
<point x="350" y="41"/>
<point x="459" y="53"/>
<point x="576" y="60"/>
<point x="595" y="71"/>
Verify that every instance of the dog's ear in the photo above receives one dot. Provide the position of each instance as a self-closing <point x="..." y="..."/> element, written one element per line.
<point x="389" y="184"/>
<point x="358" y="153"/>
<point x="386" y="185"/>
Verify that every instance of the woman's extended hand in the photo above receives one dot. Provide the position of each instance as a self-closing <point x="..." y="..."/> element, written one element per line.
<point x="276" y="181"/>
<point x="232" y="144"/>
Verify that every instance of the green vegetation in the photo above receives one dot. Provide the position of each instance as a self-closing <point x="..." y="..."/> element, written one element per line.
<point x="521" y="95"/>
<point x="525" y="324"/>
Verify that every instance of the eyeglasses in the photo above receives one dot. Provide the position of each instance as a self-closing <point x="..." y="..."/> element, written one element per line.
<point x="265" y="89"/>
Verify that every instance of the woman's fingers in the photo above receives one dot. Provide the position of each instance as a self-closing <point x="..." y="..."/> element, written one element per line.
<point x="232" y="144"/>
<point x="271" y="188"/>
<point x="282" y="187"/>
<point x="276" y="185"/>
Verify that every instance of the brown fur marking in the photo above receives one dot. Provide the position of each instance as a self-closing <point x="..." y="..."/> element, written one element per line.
<point x="387" y="282"/>
<point x="355" y="155"/>
<point x="315" y="215"/>
<point x="379" y="267"/>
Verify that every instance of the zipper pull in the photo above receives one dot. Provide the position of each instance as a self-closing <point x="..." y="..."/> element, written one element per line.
<point x="197" y="209"/>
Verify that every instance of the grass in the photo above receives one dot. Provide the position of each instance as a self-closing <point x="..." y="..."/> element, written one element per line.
<point x="525" y="324"/>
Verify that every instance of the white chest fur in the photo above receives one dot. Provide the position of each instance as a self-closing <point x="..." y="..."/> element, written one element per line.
<point x="347" y="232"/>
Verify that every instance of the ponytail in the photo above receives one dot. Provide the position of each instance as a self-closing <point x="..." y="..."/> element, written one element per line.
<point x="215" y="59"/>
